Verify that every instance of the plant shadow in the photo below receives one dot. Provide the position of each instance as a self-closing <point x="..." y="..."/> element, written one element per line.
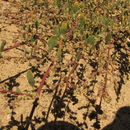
<point x="58" y="125"/>
<point x="121" y="121"/>
<point x="122" y="58"/>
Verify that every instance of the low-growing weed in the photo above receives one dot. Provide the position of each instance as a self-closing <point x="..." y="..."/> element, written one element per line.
<point x="96" y="32"/>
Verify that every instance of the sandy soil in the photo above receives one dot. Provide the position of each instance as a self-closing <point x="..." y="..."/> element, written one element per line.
<point x="82" y="110"/>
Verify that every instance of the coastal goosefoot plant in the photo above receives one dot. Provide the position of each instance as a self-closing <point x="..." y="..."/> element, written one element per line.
<point x="85" y="23"/>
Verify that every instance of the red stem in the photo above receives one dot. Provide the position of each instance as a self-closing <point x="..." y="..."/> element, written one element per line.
<point x="15" y="3"/>
<point x="67" y="78"/>
<point x="12" y="47"/>
<point x="43" y="79"/>
<point x="74" y="68"/>
<point x="13" y="92"/>
<point x="13" y="57"/>
<point x="105" y="78"/>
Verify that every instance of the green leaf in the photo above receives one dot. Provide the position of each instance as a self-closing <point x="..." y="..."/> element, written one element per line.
<point x="63" y="28"/>
<point x="59" y="53"/>
<point x="58" y="3"/>
<point x="24" y="36"/>
<point x="37" y="24"/>
<point x="108" y="37"/>
<point x="52" y="42"/>
<point x="75" y="7"/>
<point x="82" y="20"/>
<point x="106" y="21"/>
<point x="30" y="78"/>
<point x="82" y="5"/>
<point x="63" y="37"/>
<point x="90" y="40"/>
<point x="57" y="31"/>
<point x="2" y="45"/>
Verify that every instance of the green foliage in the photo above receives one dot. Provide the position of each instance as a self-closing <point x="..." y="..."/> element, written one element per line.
<point x="59" y="53"/>
<point x="82" y="20"/>
<point x="83" y="29"/>
<point x="75" y="7"/>
<point x="30" y="78"/>
<point x="63" y="28"/>
<point x="90" y="40"/>
<point x="2" y="45"/>
<point x="52" y="42"/>
<point x="58" y="3"/>
<point x="37" y="24"/>
<point x="24" y="36"/>
<point x="106" y="21"/>
<point x="108" y="37"/>
<point x="89" y="21"/>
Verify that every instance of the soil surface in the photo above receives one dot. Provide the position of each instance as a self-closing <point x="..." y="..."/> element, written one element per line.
<point x="81" y="109"/>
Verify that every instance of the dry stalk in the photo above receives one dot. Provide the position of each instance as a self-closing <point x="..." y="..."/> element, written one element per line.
<point x="103" y="92"/>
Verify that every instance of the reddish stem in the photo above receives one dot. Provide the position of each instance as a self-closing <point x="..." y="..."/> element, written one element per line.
<point x="13" y="57"/>
<point x="68" y="77"/>
<point x="43" y="79"/>
<point x="105" y="78"/>
<point x="74" y="68"/>
<point x="71" y="63"/>
<point x="39" y="48"/>
<point x="17" y="21"/>
<point x="13" y="92"/>
<point x="16" y="3"/>
<point x="12" y="47"/>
